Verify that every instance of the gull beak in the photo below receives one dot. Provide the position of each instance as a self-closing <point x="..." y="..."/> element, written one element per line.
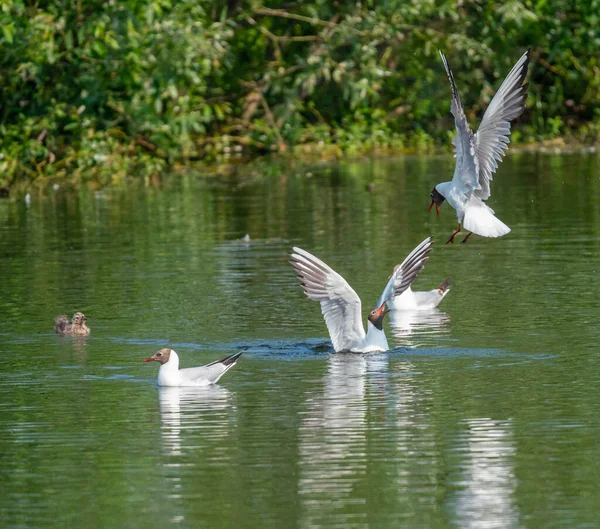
<point x="382" y="311"/>
<point x="150" y="359"/>
<point x="437" y="207"/>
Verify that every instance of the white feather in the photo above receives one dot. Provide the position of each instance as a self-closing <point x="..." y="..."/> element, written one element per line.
<point x="169" y="373"/>
<point x="478" y="155"/>
<point x="341" y="306"/>
<point x="411" y="300"/>
<point x="481" y="220"/>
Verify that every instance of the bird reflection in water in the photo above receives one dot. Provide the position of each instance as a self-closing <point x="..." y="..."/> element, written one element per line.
<point x="333" y="440"/>
<point x="487" y="481"/>
<point x="205" y="408"/>
<point x="413" y="328"/>
<point x="80" y="344"/>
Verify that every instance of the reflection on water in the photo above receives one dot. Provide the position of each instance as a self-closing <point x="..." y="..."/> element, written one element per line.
<point x="332" y="446"/>
<point x="333" y="441"/>
<point x="193" y="408"/>
<point x="412" y="467"/>
<point x="412" y="328"/>
<point x="487" y="481"/>
<point x="323" y="440"/>
<point x="80" y="344"/>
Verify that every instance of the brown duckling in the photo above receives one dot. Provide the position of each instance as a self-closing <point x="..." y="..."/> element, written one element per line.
<point x="76" y="327"/>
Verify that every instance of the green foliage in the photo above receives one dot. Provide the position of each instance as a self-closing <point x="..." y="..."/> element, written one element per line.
<point x="106" y="89"/>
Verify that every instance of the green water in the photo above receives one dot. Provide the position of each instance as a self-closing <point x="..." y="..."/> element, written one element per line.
<point x="485" y="415"/>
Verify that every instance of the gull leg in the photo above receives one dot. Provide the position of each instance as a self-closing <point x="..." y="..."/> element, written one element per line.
<point x="464" y="241"/>
<point x="454" y="233"/>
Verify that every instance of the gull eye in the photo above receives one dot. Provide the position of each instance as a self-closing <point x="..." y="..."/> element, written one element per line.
<point x="158" y="354"/>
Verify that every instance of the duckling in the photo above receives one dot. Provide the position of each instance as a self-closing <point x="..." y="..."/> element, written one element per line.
<point x="76" y="327"/>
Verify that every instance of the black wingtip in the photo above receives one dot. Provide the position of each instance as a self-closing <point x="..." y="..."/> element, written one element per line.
<point x="231" y="359"/>
<point x="444" y="285"/>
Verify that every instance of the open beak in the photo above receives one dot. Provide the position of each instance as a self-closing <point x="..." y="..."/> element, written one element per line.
<point x="150" y="359"/>
<point x="382" y="311"/>
<point x="437" y="207"/>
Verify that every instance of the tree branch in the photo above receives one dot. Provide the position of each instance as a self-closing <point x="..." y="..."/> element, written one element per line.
<point x="284" y="14"/>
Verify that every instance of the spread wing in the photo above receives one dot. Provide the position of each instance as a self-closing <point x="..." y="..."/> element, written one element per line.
<point x="465" y="174"/>
<point x="492" y="138"/>
<point x="406" y="272"/>
<point x="340" y="305"/>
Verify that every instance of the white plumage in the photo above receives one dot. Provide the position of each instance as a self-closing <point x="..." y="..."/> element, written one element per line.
<point x="341" y="306"/>
<point x="428" y="300"/>
<point x="169" y="373"/>
<point x="478" y="155"/>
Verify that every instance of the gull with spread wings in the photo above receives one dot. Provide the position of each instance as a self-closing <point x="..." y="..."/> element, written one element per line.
<point x="341" y="306"/>
<point x="478" y="154"/>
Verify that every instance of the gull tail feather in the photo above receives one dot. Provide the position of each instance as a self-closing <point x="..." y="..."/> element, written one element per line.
<point x="482" y="221"/>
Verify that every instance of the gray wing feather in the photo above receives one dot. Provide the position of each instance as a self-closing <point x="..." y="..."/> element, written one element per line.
<point x="211" y="372"/>
<point x="406" y="272"/>
<point x="465" y="174"/>
<point x="340" y="305"/>
<point x="492" y="138"/>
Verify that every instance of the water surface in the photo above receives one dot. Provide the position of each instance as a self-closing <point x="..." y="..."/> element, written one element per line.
<point x="484" y="415"/>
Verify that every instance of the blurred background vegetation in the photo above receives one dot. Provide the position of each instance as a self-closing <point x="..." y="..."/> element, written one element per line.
<point x="105" y="89"/>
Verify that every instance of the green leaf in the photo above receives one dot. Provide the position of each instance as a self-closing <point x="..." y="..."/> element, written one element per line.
<point x="99" y="48"/>
<point x="7" y="31"/>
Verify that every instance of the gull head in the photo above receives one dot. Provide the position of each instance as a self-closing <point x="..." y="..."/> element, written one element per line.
<point x="376" y="316"/>
<point x="161" y="356"/>
<point x="79" y="318"/>
<point x="436" y="198"/>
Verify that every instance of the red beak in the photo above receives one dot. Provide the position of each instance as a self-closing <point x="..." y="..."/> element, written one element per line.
<point x="151" y="359"/>
<point x="381" y="311"/>
<point x="437" y="207"/>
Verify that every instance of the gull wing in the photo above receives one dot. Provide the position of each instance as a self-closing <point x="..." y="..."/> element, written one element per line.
<point x="406" y="272"/>
<point x="465" y="174"/>
<point x="212" y="372"/>
<point x="492" y="138"/>
<point x="340" y="305"/>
